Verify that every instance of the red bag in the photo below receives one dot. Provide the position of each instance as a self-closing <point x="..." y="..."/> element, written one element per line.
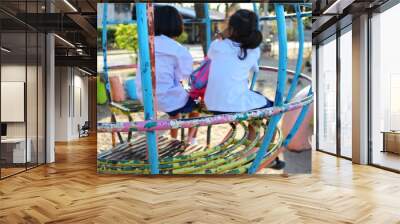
<point x="198" y="80"/>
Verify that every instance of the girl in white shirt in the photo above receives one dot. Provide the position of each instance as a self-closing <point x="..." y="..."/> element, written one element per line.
<point x="173" y="64"/>
<point x="232" y="60"/>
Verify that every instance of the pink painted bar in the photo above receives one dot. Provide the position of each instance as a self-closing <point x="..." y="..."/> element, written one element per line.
<point x="158" y="125"/>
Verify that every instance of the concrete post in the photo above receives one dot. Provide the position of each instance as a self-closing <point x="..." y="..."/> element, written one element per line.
<point x="360" y="90"/>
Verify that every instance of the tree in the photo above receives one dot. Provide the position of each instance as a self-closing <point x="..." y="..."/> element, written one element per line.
<point x="126" y="37"/>
<point x="199" y="9"/>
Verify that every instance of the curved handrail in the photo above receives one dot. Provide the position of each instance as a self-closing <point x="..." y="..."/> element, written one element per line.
<point x="166" y="124"/>
<point x="289" y="72"/>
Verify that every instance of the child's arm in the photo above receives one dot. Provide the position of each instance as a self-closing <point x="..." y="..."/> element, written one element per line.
<point x="184" y="65"/>
<point x="211" y="50"/>
<point x="255" y="67"/>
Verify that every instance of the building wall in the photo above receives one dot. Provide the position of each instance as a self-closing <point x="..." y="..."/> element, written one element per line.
<point x="14" y="73"/>
<point x="33" y="126"/>
<point x="71" y="102"/>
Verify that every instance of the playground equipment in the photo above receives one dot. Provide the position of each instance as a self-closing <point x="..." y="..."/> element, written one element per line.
<point x="122" y="106"/>
<point x="233" y="155"/>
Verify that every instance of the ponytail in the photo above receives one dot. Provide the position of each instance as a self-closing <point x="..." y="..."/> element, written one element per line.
<point x="243" y="26"/>
<point x="250" y="42"/>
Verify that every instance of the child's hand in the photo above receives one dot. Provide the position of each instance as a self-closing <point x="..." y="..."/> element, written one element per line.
<point x="197" y="63"/>
<point x="222" y="35"/>
<point x="219" y="36"/>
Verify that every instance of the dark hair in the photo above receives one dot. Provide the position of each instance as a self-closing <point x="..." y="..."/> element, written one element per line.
<point x="243" y="29"/>
<point x="167" y="21"/>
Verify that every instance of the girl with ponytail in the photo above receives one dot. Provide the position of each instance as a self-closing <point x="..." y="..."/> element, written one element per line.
<point x="232" y="61"/>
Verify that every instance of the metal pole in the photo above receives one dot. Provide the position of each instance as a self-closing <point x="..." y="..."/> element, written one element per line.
<point x="208" y="26"/>
<point x="105" y="68"/>
<point x="281" y="24"/>
<point x="255" y="9"/>
<point x="104" y="45"/>
<point x="300" y="32"/>
<point x="208" y="42"/>
<point x="255" y="74"/>
<point x="150" y="25"/>
<point x="145" y="72"/>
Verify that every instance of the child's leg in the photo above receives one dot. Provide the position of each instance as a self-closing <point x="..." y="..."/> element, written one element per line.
<point x="174" y="132"/>
<point x="193" y="131"/>
<point x="252" y="132"/>
<point x="253" y="125"/>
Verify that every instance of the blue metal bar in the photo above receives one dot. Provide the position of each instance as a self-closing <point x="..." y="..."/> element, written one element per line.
<point x="282" y="39"/>
<point x="255" y="74"/>
<point x="145" y="72"/>
<point x="261" y="18"/>
<point x="188" y="21"/>
<point x="298" y="122"/>
<point x="104" y="46"/>
<point x="300" y="33"/>
<point x="281" y="24"/>
<point x="255" y="9"/>
<point x="207" y="21"/>
<point x="208" y="26"/>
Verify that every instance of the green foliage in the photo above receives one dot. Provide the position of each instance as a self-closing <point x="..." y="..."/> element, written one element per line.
<point x="182" y="38"/>
<point x="126" y="37"/>
<point x="307" y="22"/>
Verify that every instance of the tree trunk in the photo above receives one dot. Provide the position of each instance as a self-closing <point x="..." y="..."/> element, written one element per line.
<point x="199" y="9"/>
<point x="233" y="7"/>
<point x="226" y="10"/>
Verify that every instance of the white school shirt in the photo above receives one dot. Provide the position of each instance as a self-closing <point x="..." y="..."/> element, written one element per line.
<point x="173" y="63"/>
<point x="228" y="87"/>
